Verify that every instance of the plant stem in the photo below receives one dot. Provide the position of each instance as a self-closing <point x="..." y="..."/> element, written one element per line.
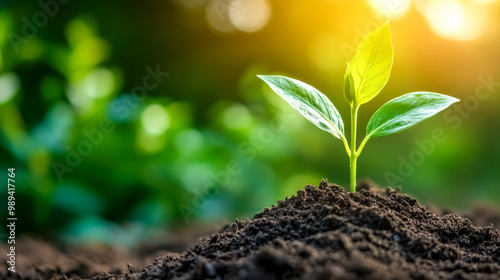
<point x="353" y="156"/>
<point x="362" y="145"/>
<point x="353" y="173"/>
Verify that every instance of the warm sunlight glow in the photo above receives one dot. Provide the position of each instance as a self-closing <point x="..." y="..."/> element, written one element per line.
<point x="484" y="1"/>
<point x="393" y="8"/>
<point x="453" y="19"/>
<point x="446" y="17"/>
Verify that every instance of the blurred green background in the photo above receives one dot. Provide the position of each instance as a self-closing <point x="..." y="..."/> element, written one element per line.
<point x="106" y="151"/>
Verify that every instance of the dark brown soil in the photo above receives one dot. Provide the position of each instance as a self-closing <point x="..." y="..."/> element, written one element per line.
<point x="324" y="233"/>
<point x="38" y="259"/>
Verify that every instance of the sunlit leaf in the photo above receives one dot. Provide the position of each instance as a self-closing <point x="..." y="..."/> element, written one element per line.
<point x="311" y="103"/>
<point x="371" y="67"/>
<point x="406" y="111"/>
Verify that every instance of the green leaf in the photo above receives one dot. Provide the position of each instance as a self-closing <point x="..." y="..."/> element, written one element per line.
<point x="371" y="67"/>
<point x="406" y="111"/>
<point x="311" y="103"/>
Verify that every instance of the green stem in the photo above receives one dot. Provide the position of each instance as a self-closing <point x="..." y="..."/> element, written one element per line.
<point x="353" y="173"/>
<point x="362" y="145"/>
<point x="346" y="145"/>
<point x="353" y="156"/>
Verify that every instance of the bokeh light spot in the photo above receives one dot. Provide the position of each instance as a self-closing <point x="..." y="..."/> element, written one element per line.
<point x="446" y="17"/>
<point x="194" y="176"/>
<point x="155" y="119"/>
<point x="217" y="14"/>
<point x="189" y="141"/>
<point x="87" y="49"/>
<point x="78" y="30"/>
<point x="394" y="8"/>
<point x="99" y="83"/>
<point x="9" y="85"/>
<point x="452" y="19"/>
<point x="237" y="116"/>
<point x="249" y="15"/>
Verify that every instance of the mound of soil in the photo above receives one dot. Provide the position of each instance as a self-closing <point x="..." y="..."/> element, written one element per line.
<point x="321" y="233"/>
<point x="324" y="233"/>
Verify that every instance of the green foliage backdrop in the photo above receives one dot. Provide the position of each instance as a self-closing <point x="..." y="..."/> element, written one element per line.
<point x="122" y="117"/>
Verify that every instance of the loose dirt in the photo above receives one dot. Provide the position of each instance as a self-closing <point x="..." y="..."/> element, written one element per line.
<point x="325" y="233"/>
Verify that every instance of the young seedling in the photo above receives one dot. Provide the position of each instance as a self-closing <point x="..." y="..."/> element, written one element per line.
<point x="366" y="75"/>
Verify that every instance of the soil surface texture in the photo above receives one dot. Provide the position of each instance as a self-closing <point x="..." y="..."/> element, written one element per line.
<point x="326" y="233"/>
